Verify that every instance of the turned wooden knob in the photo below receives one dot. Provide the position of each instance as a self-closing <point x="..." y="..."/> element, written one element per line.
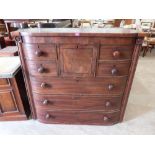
<point x="116" y="54"/>
<point x="41" y="69"/>
<point x="114" y="71"/>
<point x="47" y="116"/>
<point x="110" y="86"/>
<point x="38" y="53"/>
<point x="45" y="102"/>
<point x="105" y="118"/>
<point x="108" y="104"/>
<point x="43" y="85"/>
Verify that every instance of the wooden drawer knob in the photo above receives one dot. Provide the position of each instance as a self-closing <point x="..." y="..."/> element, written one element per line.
<point x="45" y="102"/>
<point x="43" y="85"/>
<point x="38" y="53"/>
<point x="48" y="116"/>
<point x="105" y="119"/>
<point x="116" y="54"/>
<point x="114" y="71"/>
<point x="41" y="69"/>
<point x="110" y="86"/>
<point x="108" y="104"/>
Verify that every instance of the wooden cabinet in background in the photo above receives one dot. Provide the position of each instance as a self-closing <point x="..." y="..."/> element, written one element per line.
<point x="13" y="98"/>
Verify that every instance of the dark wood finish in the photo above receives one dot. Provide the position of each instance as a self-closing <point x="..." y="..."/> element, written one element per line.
<point x="113" y="68"/>
<point x="77" y="102"/>
<point x="78" y="117"/>
<point x="78" y="86"/>
<point x="116" y="52"/>
<point x="91" y="78"/>
<point x="13" y="100"/>
<point x="40" y="52"/>
<point x="2" y="42"/>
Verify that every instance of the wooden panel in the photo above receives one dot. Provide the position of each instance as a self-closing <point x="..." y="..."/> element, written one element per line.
<point x="80" y="86"/>
<point x="78" y="117"/>
<point x="42" y="68"/>
<point x="77" y="60"/>
<point x="39" y="51"/>
<point x="4" y="83"/>
<point x="8" y="101"/>
<point x="77" y="102"/>
<point x="115" y="52"/>
<point x="118" y="68"/>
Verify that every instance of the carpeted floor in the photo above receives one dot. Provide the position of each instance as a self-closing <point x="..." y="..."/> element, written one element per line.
<point x="139" y="116"/>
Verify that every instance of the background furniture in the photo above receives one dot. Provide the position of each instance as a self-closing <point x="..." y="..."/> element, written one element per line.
<point x="9" y="51"/>
<point x="79" y="76"/>
<point x="13" y="99"/>
<point x="46" y="25"/>
<point x="2" y="42"/>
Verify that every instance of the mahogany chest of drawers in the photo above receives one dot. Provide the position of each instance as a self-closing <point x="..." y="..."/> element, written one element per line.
<point x="79" y="76"/>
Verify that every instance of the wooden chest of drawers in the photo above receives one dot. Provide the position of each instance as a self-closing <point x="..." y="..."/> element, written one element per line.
<point x="78" y="76"/>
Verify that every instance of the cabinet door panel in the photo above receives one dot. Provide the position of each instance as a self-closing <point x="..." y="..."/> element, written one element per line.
<point x="4" y="83"/>
<point x="77" y="60"/>
<point x="7" y="102"/>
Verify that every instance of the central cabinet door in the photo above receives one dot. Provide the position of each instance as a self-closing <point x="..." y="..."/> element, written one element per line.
<point x="77" y="60"/>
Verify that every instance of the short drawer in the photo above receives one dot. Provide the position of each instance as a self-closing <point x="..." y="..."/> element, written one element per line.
<point x="77" y="102"/>
<point x="115" y="52"/>
<point x="39" y="51"/>
<point x="78" y="117"/>
<point x="112" y="86"/>
<point x="42" y="68"/>
<point x="117" y="68"/>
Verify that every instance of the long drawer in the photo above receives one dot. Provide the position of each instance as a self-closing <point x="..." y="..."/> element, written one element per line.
<point x="78" y="117"/>
<point x="77" y="102"/>
<point x="107" y="86"/>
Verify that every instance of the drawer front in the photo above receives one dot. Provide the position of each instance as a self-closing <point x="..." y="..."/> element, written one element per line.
<point x="39" y="51"/>
<point x="42" y="68"/>
<point x="78" y="117"/>
<point x="76" y="102"/>
<point x="80" y="40"/>
<point x="113" y="68"/>
<point x="112" y="86"/>
<point x="115" y="52"/>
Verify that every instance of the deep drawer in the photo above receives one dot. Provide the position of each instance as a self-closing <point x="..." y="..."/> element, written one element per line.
<point x="78" y="117"/>
<point x="111" y="86"/>
<point x="77" y="102"/>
